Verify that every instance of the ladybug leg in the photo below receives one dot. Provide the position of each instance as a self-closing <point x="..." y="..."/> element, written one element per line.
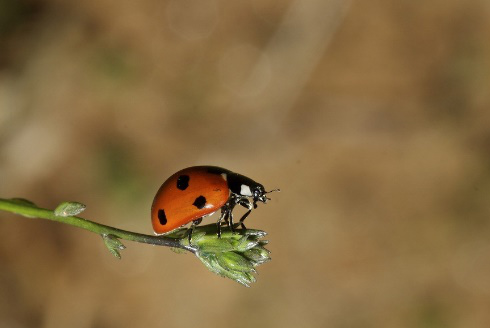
<point x="235" y="202"/>
<point x="224" y="216"/>
<point x="230" y="218"/>
<point x="231" y="222"/>
<point x="190" y="230"/>
<point x="246" y="203"/>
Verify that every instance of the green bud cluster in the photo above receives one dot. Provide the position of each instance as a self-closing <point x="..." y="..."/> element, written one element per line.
<point x="234" y="255"/>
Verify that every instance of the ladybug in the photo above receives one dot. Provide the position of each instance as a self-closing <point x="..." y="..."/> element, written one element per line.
<point x="195" y="192"/>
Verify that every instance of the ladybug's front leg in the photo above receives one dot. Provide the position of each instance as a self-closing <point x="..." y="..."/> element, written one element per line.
<point x="246" y="203"/>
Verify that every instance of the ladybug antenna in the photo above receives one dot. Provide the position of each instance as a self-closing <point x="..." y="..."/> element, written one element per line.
<point x="275" y="190"/>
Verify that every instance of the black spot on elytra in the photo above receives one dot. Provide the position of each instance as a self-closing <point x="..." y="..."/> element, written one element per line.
<point x="183" y="182"/>
<point x="162" y="217"/>
<point x="200" y="202"/>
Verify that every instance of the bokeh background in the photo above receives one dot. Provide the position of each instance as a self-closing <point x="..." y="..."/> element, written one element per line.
<point x="371" y="116"/>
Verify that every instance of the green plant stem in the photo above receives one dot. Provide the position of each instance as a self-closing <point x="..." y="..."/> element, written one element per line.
<point x="30" y="210"/>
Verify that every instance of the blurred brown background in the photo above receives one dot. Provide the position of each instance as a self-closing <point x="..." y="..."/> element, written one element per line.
<point x="371" y="116"/>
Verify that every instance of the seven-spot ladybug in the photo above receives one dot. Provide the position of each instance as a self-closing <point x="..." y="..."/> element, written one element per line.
<point x="196" y="192"/>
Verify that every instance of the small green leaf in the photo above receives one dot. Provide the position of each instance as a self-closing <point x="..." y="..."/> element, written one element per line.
<point x="258" y="255"/>
<point x="244" y="278"/>
<point x="213" y="244"/>
<point x="234" y="262"/>
<point x="210" y="261"/>
<point x="24" y="202"/>
<point x="197" y="236"/>
<point x="113" y="244"/>
<point x="66" y="209"/>
<point x="245" y="243"/>
<point x="256" y="233"/>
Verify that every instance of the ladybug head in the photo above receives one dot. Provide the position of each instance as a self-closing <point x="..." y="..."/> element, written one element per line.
<point x="259" y="194"/>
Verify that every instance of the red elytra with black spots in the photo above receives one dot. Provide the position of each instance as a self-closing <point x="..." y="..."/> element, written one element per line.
<point x="193" y="193"/>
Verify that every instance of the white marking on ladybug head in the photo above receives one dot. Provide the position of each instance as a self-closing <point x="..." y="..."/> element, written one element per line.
<point x="224" y="176"/>
<point x="245" y="190"/>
